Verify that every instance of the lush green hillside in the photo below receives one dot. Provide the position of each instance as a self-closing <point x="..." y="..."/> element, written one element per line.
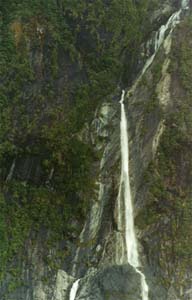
<point x="58" y="61"/>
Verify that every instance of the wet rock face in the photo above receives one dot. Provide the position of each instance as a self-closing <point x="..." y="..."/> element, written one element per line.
<point x="159" y="119"/>
<point x="158" y="170"/>
<point x="163" y="191"/>
<point x="100" y="222"/>
<point x="112" y="283"/>
<point x="63" y="281"/>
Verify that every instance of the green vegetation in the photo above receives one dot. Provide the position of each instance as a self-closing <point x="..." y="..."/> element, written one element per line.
<point x="58" y="62"/>
<point x="37" y="209"/>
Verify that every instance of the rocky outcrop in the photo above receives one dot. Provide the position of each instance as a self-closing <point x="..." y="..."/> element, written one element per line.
<point x="63" y="281"/>
<point x="117" y="282"/>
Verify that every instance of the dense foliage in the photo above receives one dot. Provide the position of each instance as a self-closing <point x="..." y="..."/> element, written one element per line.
<point x="58" y="61"/>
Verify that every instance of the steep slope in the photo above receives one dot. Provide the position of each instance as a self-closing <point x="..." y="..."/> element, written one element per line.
<point x="158" y="111"/>
<point x="59" y="60"/>
<point x="61" y="63"/>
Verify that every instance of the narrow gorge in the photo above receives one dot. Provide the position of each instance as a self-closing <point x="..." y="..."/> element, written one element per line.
<point x="95" y="150"/>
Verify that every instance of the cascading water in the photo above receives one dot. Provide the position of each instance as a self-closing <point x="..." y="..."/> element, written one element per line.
<point x="126" y="220"/>
<point x="160" y="37"/>
<point x="124" y="189"/>
<point x="130" y="236"/>
<point x="73" y="290"/>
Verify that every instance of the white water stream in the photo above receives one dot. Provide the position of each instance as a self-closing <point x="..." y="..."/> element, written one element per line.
<point x="160" y="38"/>
<point x="124" y="189"/>
<point x="131" y="250"/>
<point x="130" y="236"/>
<point x="74" y="289"/>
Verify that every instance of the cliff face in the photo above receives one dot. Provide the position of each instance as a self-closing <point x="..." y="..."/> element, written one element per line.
<point x="61" y="68"/>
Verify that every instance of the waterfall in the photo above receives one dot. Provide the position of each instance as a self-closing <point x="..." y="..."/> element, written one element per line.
<point x="132" y="255"/>
<point x="161" y="33"/>
<point x="160" y="38"/>
<point x="126" y="220"/>
<point x="128" y="247"/>
<point x="74" y="289"/>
